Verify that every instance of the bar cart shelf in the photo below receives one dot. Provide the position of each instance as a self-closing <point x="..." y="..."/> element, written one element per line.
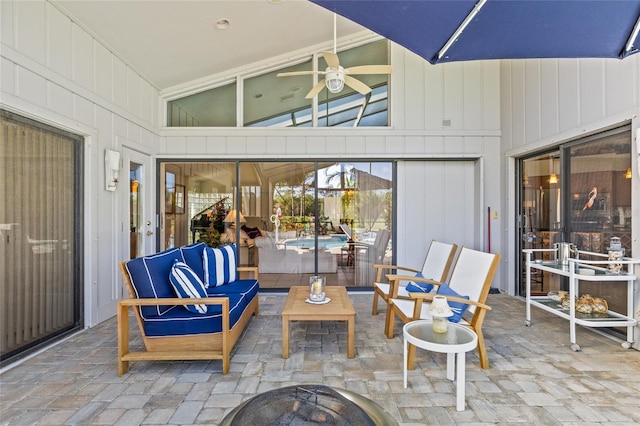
<point x="582" y="270"/>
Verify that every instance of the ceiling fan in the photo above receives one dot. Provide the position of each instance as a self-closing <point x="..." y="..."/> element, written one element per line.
<point x="335" y="76"/>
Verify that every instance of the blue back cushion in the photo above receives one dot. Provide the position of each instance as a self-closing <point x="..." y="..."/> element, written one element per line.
<point x="192" y="255"/>
<point x="219" y="265"/>
<point x="150" y="279"/>
<point x="458" y="308"/>
<point x="419" y="287"/>
<point x="187" y="285"/>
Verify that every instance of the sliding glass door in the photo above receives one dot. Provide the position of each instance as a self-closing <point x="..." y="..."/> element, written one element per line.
<point x="291" y="219"/>
<point x="40" y="234"/>
<point x="579" y="193"/>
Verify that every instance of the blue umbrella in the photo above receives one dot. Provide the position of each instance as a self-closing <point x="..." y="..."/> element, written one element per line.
<point x="463" y="30"/>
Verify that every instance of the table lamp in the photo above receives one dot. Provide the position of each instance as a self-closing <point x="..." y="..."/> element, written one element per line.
<point x="440" y="311"/>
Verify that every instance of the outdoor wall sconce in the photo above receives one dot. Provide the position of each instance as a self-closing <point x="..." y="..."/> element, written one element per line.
<point x="111" y="169"/>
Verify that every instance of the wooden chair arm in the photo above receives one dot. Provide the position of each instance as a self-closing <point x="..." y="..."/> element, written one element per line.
<point x="429" y="296"/>
<point x="394" y="267"/>
<point x="398" y="278"/>
<point x="379" y="267"/>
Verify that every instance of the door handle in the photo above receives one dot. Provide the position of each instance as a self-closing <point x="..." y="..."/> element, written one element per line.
<point x="149" y="233"/>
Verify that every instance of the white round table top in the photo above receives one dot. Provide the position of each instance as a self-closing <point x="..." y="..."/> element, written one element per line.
<point x="458" y="338"/>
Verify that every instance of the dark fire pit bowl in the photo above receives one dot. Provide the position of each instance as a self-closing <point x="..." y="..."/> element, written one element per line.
<point x="308" y="405"/>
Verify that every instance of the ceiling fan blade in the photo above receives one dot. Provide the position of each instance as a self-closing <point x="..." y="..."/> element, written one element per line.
<point x="332" y="60"/>
<point x="357" y="85"/>
<point x="316" y="89"/>
<point x="369" y="69"/>
<point x="288" y="74"/>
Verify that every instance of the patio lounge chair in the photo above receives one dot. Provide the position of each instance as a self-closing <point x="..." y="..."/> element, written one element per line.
<point x="471" y="278"/>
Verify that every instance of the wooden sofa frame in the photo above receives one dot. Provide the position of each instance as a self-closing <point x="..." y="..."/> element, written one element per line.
<point x="171" y="348"/>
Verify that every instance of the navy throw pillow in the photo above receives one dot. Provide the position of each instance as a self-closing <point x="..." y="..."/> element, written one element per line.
<point x="419" y="287"/>
<point x="458" y="308"/>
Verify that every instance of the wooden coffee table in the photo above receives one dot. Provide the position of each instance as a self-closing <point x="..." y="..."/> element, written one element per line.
<point x="338" y="309"/>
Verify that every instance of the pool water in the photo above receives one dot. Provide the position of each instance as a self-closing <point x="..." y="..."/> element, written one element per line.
<point x="324" y="242"/>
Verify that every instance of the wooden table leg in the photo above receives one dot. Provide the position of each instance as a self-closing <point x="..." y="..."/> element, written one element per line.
<point x="285" y="337"/>
<point x="351" y="338"/>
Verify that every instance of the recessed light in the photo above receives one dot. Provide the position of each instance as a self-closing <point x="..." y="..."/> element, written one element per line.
<point x="275" y="1"/>
<point x="222" y="24"/>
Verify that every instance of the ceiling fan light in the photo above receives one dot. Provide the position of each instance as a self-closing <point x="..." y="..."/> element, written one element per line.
<point x="335" y="85"/>
<point x="334" y="82"/>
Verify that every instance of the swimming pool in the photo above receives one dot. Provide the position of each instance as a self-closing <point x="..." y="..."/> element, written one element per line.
<point x="324" y="242"/>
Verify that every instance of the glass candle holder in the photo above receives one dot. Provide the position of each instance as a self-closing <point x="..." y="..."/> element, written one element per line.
<point x="316" y="288"/>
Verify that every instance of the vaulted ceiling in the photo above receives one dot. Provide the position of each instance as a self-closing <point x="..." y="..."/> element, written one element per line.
<point x="173" y="42"/>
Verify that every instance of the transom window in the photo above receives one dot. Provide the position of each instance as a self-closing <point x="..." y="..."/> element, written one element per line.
<point x="270" y="101"/>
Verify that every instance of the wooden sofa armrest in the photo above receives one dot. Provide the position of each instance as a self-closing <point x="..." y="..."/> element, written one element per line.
<point x="251" y="269"/>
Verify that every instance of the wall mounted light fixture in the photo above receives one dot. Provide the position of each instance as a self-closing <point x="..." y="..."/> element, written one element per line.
<point x="111" y="169"/>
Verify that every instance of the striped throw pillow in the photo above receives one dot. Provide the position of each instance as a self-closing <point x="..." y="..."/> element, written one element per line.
<point x="187" y="285"/>
<point x="219" y="265"/>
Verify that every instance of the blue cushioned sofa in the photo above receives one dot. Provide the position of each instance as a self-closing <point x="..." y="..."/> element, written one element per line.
<point x="169" y="330"/>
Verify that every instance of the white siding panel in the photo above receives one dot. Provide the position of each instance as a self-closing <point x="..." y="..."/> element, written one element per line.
<point x="336" y="144"/>
<point x="176" y="144"/>
<point x="569" y="94"/>
<point x="31" y="87"/>
<point x="434" y="97"/>
<point x="6" y="22"/>
<point x="30" y="29"/>
<point x="59" y="42"/>
<point x="532" y="100"/>
<point x="436" y="200"/>
<point x="454" y="94"/>
<point x="196" y="145"/>
<point x="506" y="114"/>
<point x="316" y="145"/>
<point x="592" y="90"/>
<point x="237" y="145"/>
<point x="357" y="146"/>
<point x="82" y="45"/>
<point x="7" y="77"/>
<point x="258" y="144"/>
<point x="491" y="99"/>
<point x="397" y="85"/>
<point x="103" y="72"/>
<point x="473" y="95"/>
<point x="517" y="103"/>
<point x="413" y="94"/>
<point x="84" y="111"/>
<point x="148" y="103"/>
<point x="60" y="100"/>
<point x="120" y="88"/>
<point x="549" y="98"/>
<point x="276" y="144"/>
<point x="133" y="92"/>
<point x="621" y="84"/>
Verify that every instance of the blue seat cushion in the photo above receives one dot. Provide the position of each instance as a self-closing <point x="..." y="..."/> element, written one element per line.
<point x="247" y="288"/>
<point x="458" y="308"/>
<point x="187" y="285"/>
<point x="192" y="256"/>
<point x="150" y="278"/>
<point x="180" y="322"/>
<point x="219" y="265"/>
<point x="419" y="287"/>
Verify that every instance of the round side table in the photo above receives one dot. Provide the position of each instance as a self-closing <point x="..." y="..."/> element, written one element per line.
<point x="458" y="340"/>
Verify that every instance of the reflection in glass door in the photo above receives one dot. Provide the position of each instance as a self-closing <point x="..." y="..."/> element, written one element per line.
<point x="540" y="213"/>
<point x="135" y="213"/>
<point x="291" y="219"/>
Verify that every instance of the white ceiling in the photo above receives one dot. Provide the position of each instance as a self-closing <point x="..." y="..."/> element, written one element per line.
<point x="173" y="42"/>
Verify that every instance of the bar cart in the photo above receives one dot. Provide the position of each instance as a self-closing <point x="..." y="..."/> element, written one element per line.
<point x="583" y="270"/>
